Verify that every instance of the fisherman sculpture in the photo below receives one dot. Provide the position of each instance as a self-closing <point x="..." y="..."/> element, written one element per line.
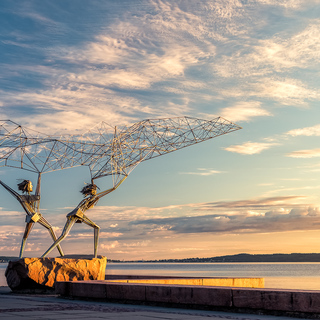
<point x="77" y="215"/>
<point x="31" y="203"/>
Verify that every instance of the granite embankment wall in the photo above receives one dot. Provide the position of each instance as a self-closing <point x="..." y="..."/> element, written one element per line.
<point x="255" y="300"/>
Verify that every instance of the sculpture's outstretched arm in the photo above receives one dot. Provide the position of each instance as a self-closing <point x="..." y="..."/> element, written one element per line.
<point x="104" y="193"/>
<point x="27" y="202"/>
<point x="14" y="193"/>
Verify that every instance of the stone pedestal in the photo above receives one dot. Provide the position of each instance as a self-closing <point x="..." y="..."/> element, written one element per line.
<point x="40" y="274"/>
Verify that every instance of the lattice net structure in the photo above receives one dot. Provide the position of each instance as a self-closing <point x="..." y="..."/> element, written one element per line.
<point x="148" y="139"/>
<point x="33" y="151"/>
<point x="105" y="150"/>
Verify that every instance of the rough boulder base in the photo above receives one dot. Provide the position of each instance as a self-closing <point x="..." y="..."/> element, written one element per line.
<point x="40" y="274"/>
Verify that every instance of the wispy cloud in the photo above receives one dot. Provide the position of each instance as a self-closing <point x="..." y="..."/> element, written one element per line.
<point x="279" y="53"/>
<point x="257" y="147"/>
<point x="257" y="204"/>
<point x="291" y="4"/>
<point x="269" y="67"/>
<point x="83" y="112"/>
<point x="169" y="54"/>
<point x="312" y="153"/>
<point x="244" y="111"/>
<point x="250" y="148"/>
<point x="284" y="90"/>
<point x="203" y="172"/>
<point x="290" y="190"/>
<point x="308" y="131"/>
<point x="287" y="91"/>
<point x="109" y="246"/>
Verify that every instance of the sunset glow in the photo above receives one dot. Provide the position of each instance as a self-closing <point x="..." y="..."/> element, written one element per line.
<point x="67" y="65"/>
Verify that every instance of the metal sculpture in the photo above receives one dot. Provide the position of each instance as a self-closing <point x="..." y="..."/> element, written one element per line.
<point x="107" y="153"/>
<point x="13" y="138"/>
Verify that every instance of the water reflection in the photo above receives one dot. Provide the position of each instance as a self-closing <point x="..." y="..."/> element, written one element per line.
<point x="277" y="275"/>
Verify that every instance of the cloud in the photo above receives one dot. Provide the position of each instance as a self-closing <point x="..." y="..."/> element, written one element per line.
<point x="109" y="246"/>
<point x="276" y="220"/>
<point x="109" y="235"/>
<point x="10" y="249"/>
<point x="258" y="147"/>
<point x="91" y="94"/>
<point x="167" y="50"/>
<point x="265" y="184"/>
<point x="203" y="172"/>
<point x="32" y="247"/>
<point x="312" y="153"/>
<point x="26" y="11"/>
<point x="88" y="106"/>
<point x="173" y="18"/>
<point x="84" y="81"/>
<point x="308" y="131"/>
<point x="290" y="4"/>
<point x="136" y="230"/>
<point x="257" y="204"/>
<point x="105" y="49"/>
<point x="285" y="90"/>
<point x="243" y="216"/>
<point x="280" y="54"/>
<point x="186" y="249"/>
<point x="283" y="189"/>
<point x="250" y="147"/>
<point x="267" y="69"/>
<point x="143" y="243"/>
<point x="244" y="111"/>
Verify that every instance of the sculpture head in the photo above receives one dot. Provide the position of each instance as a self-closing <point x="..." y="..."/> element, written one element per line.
<point x="89" y="190"/>
<point x="25" y="186"/>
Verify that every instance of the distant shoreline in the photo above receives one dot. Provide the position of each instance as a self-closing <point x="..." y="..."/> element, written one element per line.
<point x="242" y="257"/>
<point x="237" y="258"/>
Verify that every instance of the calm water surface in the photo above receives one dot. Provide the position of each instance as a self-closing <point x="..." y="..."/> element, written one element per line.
<point x="277" y="275"/>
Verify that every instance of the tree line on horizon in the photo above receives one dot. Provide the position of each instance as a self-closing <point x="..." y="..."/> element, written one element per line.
<point x="241" y="257"/>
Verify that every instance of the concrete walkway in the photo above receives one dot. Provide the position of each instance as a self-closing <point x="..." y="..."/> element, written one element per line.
<point x="50" y="307"/>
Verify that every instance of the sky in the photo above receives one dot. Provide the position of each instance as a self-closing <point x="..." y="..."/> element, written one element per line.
<point x="66" y="65"/>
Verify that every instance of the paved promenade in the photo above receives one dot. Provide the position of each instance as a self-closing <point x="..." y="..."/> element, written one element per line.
<point x="51" y="307"/>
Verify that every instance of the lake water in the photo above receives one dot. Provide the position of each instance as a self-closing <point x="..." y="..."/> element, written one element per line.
<point x="277" y="275"/>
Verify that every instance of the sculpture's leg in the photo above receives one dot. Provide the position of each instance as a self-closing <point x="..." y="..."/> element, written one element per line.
<point x="48" y="226"/>
<point x="96" y="241"/>
<point x="27" y="230"/>
<point x="70" y="222"/>
<point x="90" y="223"/>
